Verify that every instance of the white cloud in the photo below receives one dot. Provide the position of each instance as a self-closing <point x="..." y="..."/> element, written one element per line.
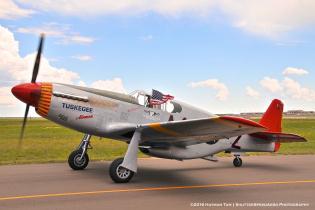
<point x="223" y="91"/>
<point x="48" y="72"/>
<point x="77" y="39"/>
<point x="294" y="71"/>
<point x="50" y="29"/>
<point x="15" y="69"/>
<point x="270" y="18"/>
<point x="267" y="18"/>
<point x="115" y="85"/>
<point x="252" y="92"/>
<point x="10" y="61"/>
<point x="82" y="83"/>
<point x="10" y="10"/>
<point x="82" y="57"/>
<point x="294" y="90"/>
<point x="61" y="31"/>
<point x="7" y="98"/>
<point x="289" y="88"/>
<point x="271" y="84"/>
<point x="147" y="37"/>
<point x="111" y="7"/>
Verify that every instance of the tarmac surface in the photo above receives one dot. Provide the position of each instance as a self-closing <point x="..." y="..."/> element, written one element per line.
<point x="164" y="184"/>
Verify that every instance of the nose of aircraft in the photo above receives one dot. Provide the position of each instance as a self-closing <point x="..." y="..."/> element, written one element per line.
<point x="28" y="93"/>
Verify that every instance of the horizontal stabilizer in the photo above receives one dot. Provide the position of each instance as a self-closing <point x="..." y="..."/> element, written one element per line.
<point x="279" y="137"/>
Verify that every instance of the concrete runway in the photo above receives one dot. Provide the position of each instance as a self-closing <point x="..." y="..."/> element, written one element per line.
<point x="163" y="184"/>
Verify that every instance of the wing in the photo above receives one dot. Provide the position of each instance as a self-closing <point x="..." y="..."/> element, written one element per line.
<point x="188" y="132"/>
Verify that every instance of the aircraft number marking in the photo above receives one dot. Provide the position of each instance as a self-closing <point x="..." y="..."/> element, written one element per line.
<point x="63" y="117"/>
<point x="152" y="115"/>
<point x="124" y="116"/>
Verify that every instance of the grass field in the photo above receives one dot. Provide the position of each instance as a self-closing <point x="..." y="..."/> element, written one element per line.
<point x="48" y="142"/>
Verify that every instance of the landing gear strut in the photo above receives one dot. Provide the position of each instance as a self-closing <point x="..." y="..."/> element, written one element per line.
<point x="237" y="162"/>
<point x="122" y="169"/>
<point x="79" y="159"/>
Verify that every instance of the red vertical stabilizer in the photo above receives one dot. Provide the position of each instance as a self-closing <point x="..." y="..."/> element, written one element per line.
<point x="272" y="119"/>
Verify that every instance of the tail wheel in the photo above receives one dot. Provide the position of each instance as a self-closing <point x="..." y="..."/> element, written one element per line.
<point x="118" y="173"/>
<point x="237" y="162"/>
<point x="76" y="162"/>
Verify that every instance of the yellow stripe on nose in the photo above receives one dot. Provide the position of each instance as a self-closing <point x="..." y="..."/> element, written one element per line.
<point x="45" y="99"/>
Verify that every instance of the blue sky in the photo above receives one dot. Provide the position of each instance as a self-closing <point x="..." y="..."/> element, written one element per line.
<point x="218" y="55"/>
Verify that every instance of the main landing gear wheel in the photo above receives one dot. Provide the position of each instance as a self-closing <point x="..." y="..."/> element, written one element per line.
<point x="118" y="173"/>
<point x="237" y="162"/>
<point x="77" y="161"/>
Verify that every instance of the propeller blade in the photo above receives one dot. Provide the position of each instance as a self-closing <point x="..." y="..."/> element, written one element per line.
<point x="38" y="56"/>
<point x="34" y="76"/>
<point x="23" y="125"/>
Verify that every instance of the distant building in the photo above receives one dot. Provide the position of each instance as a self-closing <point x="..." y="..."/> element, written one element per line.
<point x="251" y="114"/>
<point x="299" y="113"/>
<point x="289" y="113"/>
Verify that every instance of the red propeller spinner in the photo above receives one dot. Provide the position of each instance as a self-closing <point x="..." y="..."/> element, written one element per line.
<point x="28" y="93"/>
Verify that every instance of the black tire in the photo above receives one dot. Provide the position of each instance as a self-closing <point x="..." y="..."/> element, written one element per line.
<point x="118" y="173"/>
<point x="237" y="162"/>
<point x="74" y="162"/>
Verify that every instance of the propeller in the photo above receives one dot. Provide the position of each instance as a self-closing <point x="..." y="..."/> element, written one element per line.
<point x="34" y="77"/>
<point x="37" y="60"/>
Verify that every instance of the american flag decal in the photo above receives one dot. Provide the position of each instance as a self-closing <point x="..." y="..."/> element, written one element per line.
<point x="159" y="98"/>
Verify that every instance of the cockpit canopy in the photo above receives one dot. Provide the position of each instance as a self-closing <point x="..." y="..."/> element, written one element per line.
<point x="143" y="98"/>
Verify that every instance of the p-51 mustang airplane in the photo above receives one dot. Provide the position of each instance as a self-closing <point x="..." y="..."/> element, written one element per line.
<point x="156" y="124"/>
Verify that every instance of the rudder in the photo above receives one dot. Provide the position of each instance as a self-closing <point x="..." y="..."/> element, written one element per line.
<point x="272" y="119"/>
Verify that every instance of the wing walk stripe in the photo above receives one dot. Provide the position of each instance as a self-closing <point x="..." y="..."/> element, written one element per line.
<point x="159" y="128"/>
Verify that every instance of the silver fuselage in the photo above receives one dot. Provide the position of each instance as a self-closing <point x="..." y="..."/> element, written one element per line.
<point x="105" y="113"/>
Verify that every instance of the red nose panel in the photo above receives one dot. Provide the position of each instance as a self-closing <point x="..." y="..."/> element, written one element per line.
<point x="28" y="93"/>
